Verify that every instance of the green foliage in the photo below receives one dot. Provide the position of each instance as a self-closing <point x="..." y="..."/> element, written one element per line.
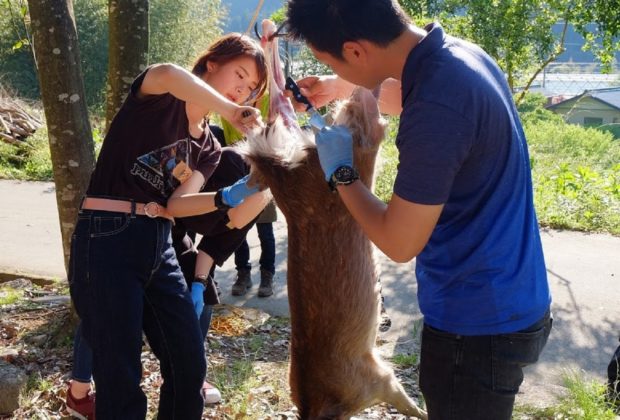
<point x="388" y="163"/>
<point x="236" y="382"/>
<point x="16" y="61"/>
<point x="305" y="64"/>
<point x="613" y="129"/>
<point x="405" y="360"/>
<point x="91" y="19"/>
<point x="585" y="400"/>
<point x="532" y="109"/>
<point x="28" y="160"/>
<point x="9" y="295"/>
<point x="17" y="67"/>
<point x="180" y="30"/>
<point x="518" y="34"/>
<point x="576" y="176"/>
<point x="575" y="171"/>
<point x="552" y="142"/>
<point x="597" y="21"/>
<point x="279" y="15"/>
<point x="239" y="12"/>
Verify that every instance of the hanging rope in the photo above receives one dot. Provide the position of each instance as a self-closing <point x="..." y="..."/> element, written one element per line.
<point x="260" y="5"/>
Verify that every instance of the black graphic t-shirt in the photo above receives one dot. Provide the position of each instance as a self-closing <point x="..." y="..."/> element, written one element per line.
<point x="148" y="151"/>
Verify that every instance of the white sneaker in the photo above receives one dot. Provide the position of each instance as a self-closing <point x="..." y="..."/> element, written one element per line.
<point x="210" y="393"/>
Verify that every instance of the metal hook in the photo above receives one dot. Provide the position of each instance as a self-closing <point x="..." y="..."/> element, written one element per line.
<point x="276" y="34"/>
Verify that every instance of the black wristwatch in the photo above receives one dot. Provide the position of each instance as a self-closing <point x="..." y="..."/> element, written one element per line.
<point x="344" y="175"/>
<point x="219" y="203"/>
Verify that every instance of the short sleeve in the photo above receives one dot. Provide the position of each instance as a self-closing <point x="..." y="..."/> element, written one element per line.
<point x="433" y="142"/>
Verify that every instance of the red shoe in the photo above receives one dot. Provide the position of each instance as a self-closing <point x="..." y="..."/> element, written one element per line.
<point x="82" y="408"/>
<point x="210" y="393"/>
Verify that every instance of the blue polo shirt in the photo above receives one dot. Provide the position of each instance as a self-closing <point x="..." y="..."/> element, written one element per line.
<point x="461" y="144"/>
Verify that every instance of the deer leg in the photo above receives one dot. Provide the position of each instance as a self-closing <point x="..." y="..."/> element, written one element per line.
<point x="394" y="394"/>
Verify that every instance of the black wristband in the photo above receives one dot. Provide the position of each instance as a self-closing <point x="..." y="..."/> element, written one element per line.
<point x="219" y="203"/>
<point x="202" y="278"/>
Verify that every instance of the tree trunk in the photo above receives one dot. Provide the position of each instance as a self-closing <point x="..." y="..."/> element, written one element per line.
<point x="62" y="90"/>
<point x="128" y="25"/>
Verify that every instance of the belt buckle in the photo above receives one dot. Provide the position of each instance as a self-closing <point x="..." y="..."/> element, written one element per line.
<point x="148" y="212"/>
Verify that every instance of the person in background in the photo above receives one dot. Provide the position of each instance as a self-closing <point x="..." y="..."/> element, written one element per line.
<point x="264" y="227"/>
<point x="613" y="378"/>
<point x="462" y="203"/>
<point x="124" y="274"/>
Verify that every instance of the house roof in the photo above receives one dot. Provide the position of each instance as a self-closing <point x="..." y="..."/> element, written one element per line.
<point x="608" y="96"/>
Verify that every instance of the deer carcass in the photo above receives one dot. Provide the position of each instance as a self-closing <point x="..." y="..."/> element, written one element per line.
<point x="335" y="370"/>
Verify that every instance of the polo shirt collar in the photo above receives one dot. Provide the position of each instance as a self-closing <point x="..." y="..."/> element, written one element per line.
<point x="433" y="41"/>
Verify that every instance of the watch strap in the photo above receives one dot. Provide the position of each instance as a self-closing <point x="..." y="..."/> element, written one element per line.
<point x="219" y="202"/>
<point x="344" y="175"/>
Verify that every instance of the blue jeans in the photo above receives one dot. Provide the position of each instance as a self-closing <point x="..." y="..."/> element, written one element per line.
<point x="267" y="250"/>
<point x="124" y="278"/>
<point x="82" y="358"/>
<point x="83" y="355"/>
<point x="477" y="377"/>
<point x="205" y="320"/>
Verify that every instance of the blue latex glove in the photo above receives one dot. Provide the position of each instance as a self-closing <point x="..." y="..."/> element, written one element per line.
<point x="197" y="299"/>
<point x="237" y="192"/>
<point x="335" y="147"/>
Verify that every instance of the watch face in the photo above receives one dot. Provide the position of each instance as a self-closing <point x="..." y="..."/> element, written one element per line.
<point x="344" y="175"/>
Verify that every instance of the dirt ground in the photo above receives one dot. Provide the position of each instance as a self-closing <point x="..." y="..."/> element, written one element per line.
<point x="247" y="358"/>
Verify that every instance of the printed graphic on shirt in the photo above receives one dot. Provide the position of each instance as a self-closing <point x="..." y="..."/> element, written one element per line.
<point x="166" y="168"/>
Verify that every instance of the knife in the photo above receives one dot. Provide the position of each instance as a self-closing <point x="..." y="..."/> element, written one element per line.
<point x="317" y="122"/>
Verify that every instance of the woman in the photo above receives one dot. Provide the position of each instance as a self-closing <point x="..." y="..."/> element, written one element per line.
<point x="124" y="274"/>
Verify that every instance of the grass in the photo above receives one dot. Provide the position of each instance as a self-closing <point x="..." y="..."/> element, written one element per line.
<point x="405" y="360"/>
<point x="576" y="176"/>
<point x="585" y="400"/>
<point x="29" y="160"/>
<point x="251" y="371"/>
<point x="236" y="382"/>
<point x="36" y="383"/>
<point x="8" y="296"/>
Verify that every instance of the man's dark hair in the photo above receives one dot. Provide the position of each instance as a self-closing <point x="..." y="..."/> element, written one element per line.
<point x="327" y="24"/>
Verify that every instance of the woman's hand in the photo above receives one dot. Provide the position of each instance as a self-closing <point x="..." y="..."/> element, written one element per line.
<point x="243" y="118"/>
<point x="197" y="297"/>
<point x="234" y="194"/>
<point x="321" y="90"/>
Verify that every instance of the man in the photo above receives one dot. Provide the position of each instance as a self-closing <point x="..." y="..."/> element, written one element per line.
<point x="462" y="201"/>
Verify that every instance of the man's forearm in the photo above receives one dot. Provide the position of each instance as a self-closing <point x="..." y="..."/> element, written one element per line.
<point x="400" y="229"/>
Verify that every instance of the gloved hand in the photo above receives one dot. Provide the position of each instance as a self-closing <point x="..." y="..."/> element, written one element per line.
<point x="197" y="299"/>
<point x="335" y="147"/>
<point x="235" y="194"/>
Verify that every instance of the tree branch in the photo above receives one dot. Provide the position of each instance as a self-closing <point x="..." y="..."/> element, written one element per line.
<point x="559" y="50"/>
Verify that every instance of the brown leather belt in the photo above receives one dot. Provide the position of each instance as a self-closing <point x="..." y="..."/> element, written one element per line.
<point x="151" y="209"/>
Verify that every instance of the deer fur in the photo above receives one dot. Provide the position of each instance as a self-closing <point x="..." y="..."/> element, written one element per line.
<point x="335" y="370"/>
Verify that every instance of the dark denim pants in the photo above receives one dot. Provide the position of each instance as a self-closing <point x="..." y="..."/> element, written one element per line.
<point x="267" y="250"/>
<point x="82" y="358"/>
<point x="125" y="278"/>
<point x="477" y="377"/>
